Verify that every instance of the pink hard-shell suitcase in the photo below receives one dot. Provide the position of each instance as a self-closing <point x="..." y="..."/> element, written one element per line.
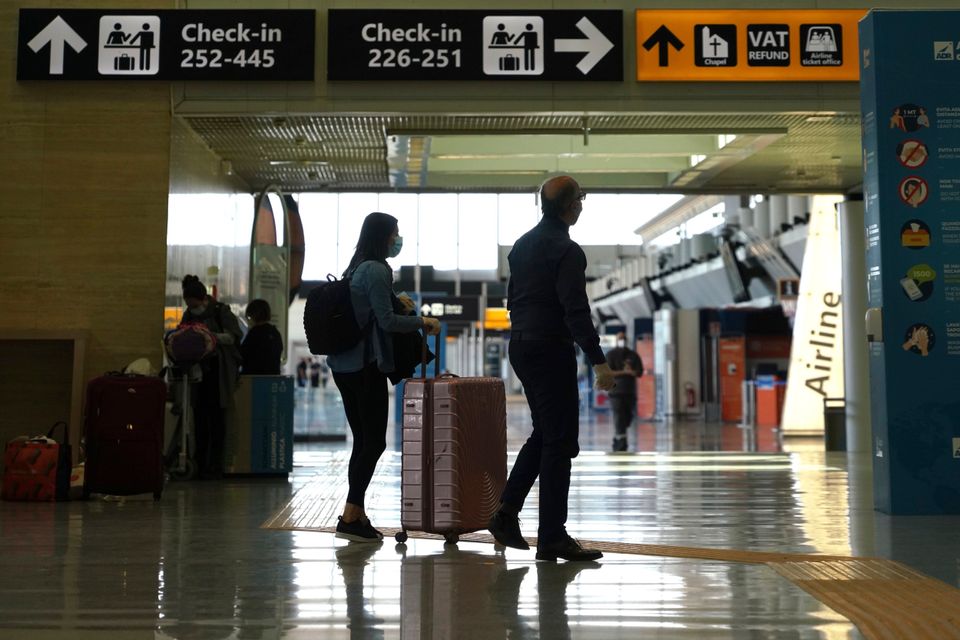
<point x="454" y="463"/>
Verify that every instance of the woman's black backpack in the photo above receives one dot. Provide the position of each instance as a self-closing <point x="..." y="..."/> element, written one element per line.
<point x="328" y="318"/>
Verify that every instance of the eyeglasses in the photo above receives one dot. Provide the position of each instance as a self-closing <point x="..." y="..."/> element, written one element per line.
<point x="581" y="196"/>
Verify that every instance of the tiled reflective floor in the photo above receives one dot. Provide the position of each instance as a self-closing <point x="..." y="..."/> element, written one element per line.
<point x="197" y="565"/>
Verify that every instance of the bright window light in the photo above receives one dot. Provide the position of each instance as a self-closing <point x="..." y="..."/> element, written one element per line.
<point x="724" y="139"/>
<point x="319" y="213"/>
<point x="195" y="219"/>
<point x="477" y="231"/>
<point x="438" y="230"/>
<point x="697" y="159"/>
<point x="517" y="213"/>
<point x="706" y="221"/>
<point x="446" y="231"/>
<point x="353" y="208"/>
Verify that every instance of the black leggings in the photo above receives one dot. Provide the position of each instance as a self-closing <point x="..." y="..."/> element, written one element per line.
<point x="365" y="402"/>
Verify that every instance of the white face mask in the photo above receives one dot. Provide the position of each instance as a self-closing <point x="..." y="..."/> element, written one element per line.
<point x="197" y="311"/>
<point x="396" y="247"/>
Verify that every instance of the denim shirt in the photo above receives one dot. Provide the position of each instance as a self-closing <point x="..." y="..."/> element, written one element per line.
<point x="370" y="288"/>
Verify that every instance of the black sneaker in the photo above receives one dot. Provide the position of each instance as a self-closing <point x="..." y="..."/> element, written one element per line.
<point x="619" y="444"/>
<point x="568" y="549"/>
<point x="359" y="531"/>
<point x="506" y="530"/>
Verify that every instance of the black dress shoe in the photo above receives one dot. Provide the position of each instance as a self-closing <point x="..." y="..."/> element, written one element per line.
<point x="568" y="549"/>
<point x="506" y="530"/>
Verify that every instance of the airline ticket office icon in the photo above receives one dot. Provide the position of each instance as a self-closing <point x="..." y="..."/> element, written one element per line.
<point x="129" y="45"/>
<point x="513" y="45"/>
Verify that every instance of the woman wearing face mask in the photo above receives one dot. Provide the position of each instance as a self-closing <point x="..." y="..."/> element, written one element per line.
<point x="214" y="393"/>
<point x="360" y="372"/>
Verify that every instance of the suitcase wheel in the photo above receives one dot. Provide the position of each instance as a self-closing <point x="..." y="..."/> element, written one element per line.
<point x="401" y="537"/>
<point x="451" y="538"/>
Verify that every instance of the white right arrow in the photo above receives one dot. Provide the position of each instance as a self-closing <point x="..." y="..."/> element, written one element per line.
<point x="596" y="45"/>
<point x="56" y="34"/>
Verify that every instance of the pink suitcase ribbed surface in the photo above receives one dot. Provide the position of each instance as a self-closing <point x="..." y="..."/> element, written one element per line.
<point x="454" y="453"/>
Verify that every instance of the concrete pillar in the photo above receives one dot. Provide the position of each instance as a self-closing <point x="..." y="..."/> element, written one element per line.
<point x="761" y="218"/>
<point x="797" y="207"/>
<point x="778" y="214"/>
<point x="731" y="209"/>
<point x="747" y="216"/>
<point x="856" y="367"/>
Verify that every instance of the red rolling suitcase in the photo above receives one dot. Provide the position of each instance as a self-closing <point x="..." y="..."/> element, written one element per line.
<point x="454" y="462"/>
<point x="123" y="435"/>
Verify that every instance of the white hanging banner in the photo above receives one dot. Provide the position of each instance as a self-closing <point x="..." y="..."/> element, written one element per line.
<point x="816" y="357"/>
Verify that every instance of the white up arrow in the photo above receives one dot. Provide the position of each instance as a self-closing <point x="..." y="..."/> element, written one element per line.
<point x="425" y="309"/>
<point x="56" y="34"/>
<point x="596" y="45"/>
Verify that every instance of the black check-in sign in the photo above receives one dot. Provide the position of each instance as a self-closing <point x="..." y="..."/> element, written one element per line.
<point x="475" y="45"/>
<point x="120" y="44"/>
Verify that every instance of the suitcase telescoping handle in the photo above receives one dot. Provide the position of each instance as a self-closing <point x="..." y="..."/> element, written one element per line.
<point x="423" y="358"/>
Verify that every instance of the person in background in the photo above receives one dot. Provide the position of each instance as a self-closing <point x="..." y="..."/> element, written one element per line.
<point x="324" y="372"/>
<point x="314" y="373"/>
<point x="360" y="372"/>
<point x="627" y="367"/>
<point x="302" y="372"/>
<point x="262" y="347"/>
<point x="549" y="311"/>
<point x="220" y="374"/>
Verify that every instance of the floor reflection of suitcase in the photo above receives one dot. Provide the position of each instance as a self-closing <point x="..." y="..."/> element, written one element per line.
<point x="123" y="435"/>
<point x="509" y="62"/>
<point x="123" y="62"/>
<point x="436" y="589"/>
<point x="454" y="463"/>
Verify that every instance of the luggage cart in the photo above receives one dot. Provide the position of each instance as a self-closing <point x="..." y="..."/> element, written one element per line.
<point x="180" y="463"/>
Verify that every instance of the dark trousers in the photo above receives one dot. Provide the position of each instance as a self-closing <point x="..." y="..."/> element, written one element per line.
<point x="624" y="408"/>
<point x="209" y="421"/>
<point x="548" y="371"/>
<point x="365" y="402"/>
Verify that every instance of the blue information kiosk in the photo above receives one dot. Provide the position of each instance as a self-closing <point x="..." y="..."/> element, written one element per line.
<point x="910" y="94"/>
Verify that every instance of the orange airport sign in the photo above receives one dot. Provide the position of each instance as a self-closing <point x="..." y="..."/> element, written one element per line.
<point x="775" y="45"/>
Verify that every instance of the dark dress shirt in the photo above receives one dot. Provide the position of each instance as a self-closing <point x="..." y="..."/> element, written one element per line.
<point x="547" y="295"/>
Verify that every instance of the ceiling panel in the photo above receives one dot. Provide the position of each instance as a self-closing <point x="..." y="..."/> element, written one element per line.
<point x="815" y="151"/>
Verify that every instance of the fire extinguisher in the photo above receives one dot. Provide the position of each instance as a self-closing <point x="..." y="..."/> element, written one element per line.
<point x="690" y="395"/>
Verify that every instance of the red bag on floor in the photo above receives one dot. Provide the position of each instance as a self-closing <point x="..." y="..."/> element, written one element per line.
<point x="37" y="468"/>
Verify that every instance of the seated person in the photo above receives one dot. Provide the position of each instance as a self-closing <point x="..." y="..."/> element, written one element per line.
<point x="262" y="347"/>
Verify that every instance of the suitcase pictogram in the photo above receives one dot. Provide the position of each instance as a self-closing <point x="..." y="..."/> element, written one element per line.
<point x="509" y="62"/>
<point x="123" y="62"/>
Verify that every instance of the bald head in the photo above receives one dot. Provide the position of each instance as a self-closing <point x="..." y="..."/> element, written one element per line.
<point x="558" y="196"/>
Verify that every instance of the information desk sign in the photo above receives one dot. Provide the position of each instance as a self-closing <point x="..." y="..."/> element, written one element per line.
<point x="910" y="103"/>
<point x="474" y="45"/>
<point x="132" y="44"/>
<point x="747" y="45"/>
